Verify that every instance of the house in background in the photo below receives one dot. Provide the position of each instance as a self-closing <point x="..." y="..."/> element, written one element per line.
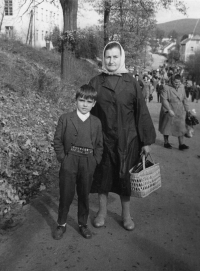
<point x="189" y="46"/>
<point x="32" y="21"/>
<point x="169" y="47"/>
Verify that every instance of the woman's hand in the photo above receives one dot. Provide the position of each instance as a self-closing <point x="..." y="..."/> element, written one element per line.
<point x="171" y="113"/>
<point x="145" y="150"/>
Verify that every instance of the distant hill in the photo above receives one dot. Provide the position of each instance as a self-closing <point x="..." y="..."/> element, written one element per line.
<point x="182" y="26"/>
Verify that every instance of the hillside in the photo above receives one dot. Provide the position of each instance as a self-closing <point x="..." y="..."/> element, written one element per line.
<point x="32" y="97"/>
<point x="182" y="26"/>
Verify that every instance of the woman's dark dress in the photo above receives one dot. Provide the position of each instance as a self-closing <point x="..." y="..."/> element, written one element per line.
<point x="127" y="126"/>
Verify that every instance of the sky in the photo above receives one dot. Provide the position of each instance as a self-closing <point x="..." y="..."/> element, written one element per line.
<point x="193" y="11"/>
<point x="88" y="16"/>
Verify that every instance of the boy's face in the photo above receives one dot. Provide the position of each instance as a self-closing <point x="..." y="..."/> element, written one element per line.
<point x="84" y="105"/>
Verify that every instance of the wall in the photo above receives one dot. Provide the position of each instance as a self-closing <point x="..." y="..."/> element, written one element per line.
<point x="31" y="23"/>
<point x="191" y="47"/>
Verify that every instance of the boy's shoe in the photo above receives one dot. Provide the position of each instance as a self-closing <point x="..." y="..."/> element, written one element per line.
<point x="167" y="145"/>
<point x="85" y="232"/>
<point x="183" y="147"/>
<point x="60" y="230"/>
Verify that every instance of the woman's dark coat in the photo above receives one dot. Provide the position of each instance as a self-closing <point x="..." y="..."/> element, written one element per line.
<point x="127" y="126"/>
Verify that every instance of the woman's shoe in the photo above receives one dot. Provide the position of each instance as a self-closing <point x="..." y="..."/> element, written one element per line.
<point x="99" y="221"/>
<point x="128" y="224"/>
<point x="167" y="145"/>
<point x="183" y="147"/>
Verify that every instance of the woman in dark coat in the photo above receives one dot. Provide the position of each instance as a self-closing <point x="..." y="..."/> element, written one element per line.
<point x="127" y="131"/>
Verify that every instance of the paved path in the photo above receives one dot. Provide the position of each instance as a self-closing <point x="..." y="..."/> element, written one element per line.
<point x="167" y="223"/>
<point x="157" y="60"/>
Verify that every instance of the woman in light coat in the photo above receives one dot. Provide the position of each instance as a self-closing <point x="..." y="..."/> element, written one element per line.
<point x="173" y="112"/>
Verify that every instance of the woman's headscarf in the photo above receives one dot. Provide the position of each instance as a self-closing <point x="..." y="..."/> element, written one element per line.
<point x="121" y="68"/>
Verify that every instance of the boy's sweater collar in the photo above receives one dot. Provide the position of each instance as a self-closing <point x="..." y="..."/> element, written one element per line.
<point x="83" y="117"/>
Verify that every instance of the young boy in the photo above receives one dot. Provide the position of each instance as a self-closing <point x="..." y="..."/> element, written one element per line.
<point x="78" y="144"/>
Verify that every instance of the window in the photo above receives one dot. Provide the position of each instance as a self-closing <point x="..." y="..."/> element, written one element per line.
<point x="197" y="41"/>
<point x="42" y="14"/>
<point x="36" y="36"/>
<point x="46" y="15"/>
<point x="8" y="7"/>
<point x="42" y="35"/>
<point x="9" y="31"/>
<point x="51" y="17"/>
<point x="192" y="49"/>
<point x="36" y="13"/>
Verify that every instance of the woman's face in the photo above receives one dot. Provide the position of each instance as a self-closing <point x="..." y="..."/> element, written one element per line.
<point x="112" y="59"/>
<point x="176" y="83"/>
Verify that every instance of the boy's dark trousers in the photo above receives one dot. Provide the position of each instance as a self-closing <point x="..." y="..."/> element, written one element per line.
<point x="76" y="170"/>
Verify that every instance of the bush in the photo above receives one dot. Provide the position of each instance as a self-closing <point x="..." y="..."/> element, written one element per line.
<point x="86" y="44"/>
<point x="193" y="67"/>
<point x="55" y="39"/>
<point x="83" y="43"/>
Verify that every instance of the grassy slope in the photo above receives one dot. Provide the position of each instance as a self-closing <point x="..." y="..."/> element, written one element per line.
<point x="182" y="26"/>
<point x="32" y="97"/>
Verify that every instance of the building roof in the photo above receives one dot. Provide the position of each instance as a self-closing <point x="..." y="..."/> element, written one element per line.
<point x="169" y="45"/>
<point x="195" y="37"/>
<point x="183" y="42"/>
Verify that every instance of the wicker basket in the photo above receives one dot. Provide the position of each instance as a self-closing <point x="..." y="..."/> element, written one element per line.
<point x="145" y="178"/>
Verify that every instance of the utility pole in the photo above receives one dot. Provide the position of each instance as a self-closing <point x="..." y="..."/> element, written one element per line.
<point x="30" y="30"/>
<point x="3" y="14"/>
<point x="34" y="22"/>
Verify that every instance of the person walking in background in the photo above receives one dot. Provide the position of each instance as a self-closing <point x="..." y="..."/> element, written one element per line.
<point x="139" y="81"/>
<point x="151" y="91"/>
<point x="146" y="89"/>
<point x="187" y="89"/>
<point x="197" y="93"/>
<point x="173" y="112"/>
<point x="194" y="91"/>
<point x="159" y="88"/>
<point x="127" y="131"/>
<point x="78" y="144"/>
<point x="155" y="80"/>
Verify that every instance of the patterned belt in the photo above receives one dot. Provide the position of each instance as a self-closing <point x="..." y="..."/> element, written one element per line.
<point x="81" y="150"/>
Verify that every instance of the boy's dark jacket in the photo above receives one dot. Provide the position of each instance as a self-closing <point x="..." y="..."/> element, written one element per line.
<point x="67" y="131"/>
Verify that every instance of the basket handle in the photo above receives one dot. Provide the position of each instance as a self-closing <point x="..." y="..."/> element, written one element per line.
<point x="144" y="159"/>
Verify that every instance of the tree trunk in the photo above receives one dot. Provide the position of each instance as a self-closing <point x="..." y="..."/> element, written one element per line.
<point x="107" y="7"/>
<point x="70" y="9"/>
<point x="121" y="23"/>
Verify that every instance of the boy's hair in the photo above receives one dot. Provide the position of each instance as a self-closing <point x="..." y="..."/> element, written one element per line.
<point x="86" y="92"/>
